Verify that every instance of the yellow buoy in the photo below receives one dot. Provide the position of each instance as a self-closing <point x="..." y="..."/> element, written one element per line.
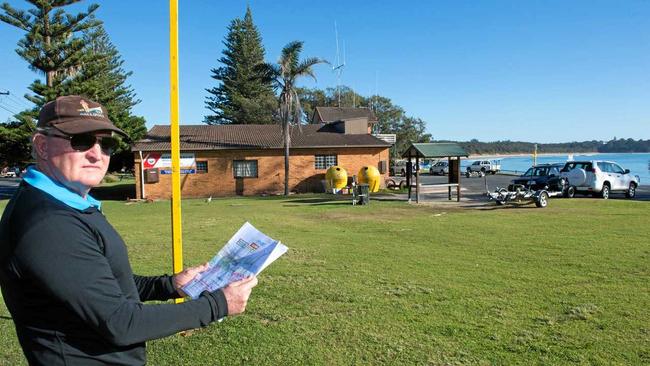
<point x="336" y="178"/>
<point x="370" y="176"/>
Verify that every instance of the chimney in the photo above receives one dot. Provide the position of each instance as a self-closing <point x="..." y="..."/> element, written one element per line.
<point x="355" y="126"/>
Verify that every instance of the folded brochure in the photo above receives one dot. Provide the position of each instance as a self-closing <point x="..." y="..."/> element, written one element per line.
<point x="247" y="253"/>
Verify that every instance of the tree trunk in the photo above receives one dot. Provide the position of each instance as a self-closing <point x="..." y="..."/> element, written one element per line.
<point x="286" y="161"/>
<point x="49" y="74"/>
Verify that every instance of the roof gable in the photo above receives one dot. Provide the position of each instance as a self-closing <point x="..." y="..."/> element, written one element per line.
<point x="332" y="114"/>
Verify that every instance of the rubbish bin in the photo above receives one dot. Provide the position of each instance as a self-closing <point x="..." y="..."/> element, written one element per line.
<point x="364" y="194"/>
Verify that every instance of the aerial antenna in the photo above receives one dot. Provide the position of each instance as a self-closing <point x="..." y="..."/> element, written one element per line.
<point x="374" y="97"/>
<point x="338" y="66"/>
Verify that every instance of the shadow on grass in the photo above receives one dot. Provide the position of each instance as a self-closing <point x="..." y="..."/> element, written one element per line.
<point x="117" y="192"/>
<point x="336" y="200"/>
<point x="316" y="202"/>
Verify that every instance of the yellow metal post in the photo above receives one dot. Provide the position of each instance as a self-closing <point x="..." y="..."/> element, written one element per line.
<point x="177" y="237"/>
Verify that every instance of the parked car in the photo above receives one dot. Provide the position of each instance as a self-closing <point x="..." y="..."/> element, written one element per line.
<point x="10" y="172"/>
<point x="542" y="176"/>
<point x="485" y="166"/>
<point x="600" y="178"/>
<point x="399" y="167"/>
<point x="439" y="168"/>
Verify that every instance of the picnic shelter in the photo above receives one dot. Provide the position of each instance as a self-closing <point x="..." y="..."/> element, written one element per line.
<point x="435" y="150"/>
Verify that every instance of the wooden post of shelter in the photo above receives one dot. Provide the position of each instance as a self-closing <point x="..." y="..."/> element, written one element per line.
<point x="417" y="179"/>
<point x="451" y="172"/>
<point x="458" y="180"/>
<point x="409" y="171"/>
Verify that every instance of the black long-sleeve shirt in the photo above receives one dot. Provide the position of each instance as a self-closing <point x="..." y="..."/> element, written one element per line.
<point x="74" y="299"/>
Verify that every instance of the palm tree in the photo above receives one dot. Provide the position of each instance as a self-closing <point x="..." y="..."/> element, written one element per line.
<point x="284" y="76"/>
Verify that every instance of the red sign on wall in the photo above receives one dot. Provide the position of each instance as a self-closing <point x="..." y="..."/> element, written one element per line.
<point x="151" y="160"/>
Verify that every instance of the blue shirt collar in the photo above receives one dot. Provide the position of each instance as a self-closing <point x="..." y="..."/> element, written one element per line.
<point x="41" y="181"/>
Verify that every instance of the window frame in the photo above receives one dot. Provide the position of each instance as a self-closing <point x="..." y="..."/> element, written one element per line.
<point x="201" y="171"/>
<point x="617" y="169"/>
<point x="325" y="161"/>
<point x="250" y="161"/>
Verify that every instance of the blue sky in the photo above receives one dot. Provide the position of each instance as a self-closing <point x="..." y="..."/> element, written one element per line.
<point x="542" y="71"/>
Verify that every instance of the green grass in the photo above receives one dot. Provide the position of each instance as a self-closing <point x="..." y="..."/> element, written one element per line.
<point x="391" y="283"/>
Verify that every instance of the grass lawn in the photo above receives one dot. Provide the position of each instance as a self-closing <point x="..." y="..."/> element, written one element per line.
<point x="391" y="283"/>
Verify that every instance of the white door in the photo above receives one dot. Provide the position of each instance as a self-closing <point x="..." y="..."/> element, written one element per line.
<point x="618" y="174"/>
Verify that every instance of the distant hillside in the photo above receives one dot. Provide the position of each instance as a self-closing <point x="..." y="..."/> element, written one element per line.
<point x="476" y="147"/>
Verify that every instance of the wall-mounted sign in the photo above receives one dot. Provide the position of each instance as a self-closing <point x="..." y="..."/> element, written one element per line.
<point x="183" y="171"/>
<point x="164" y="160"/>
<point x="158" y="160"/>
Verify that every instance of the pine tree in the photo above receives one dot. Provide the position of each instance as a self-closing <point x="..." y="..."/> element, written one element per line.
<point x="103" y="80"/>
<point x="50" y="45"/>
<point x="242" y="97"/>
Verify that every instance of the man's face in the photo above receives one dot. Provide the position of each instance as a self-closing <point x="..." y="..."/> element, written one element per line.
<point x="77" y="170"/>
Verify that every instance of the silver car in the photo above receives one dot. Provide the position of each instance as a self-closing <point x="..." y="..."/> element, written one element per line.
<point x="600" y="178"/>
<point x="439" y="168"/>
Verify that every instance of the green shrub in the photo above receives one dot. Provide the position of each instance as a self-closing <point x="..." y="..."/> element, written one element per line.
<point x="110" y="178"/>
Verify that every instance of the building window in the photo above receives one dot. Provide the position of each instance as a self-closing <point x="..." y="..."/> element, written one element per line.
<point x="245" y="168"/>
<point x="201" y="167"/>
<point x="324" y="161"/>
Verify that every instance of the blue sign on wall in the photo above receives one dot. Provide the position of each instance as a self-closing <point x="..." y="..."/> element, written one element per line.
<point x="183" y="171"/>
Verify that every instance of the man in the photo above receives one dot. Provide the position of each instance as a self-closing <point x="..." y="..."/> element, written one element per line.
<point x="64" y="270"/>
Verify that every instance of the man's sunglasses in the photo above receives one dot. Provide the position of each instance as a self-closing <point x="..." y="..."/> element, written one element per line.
<point x="85" y="141"/>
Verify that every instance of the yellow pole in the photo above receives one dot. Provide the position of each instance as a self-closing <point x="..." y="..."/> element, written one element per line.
<point x="535" y="155"/>
<point x="177" y="237"/>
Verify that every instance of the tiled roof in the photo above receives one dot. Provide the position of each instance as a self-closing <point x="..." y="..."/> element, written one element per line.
<point x="332" y="114"/>
<point x="218" y="137"/>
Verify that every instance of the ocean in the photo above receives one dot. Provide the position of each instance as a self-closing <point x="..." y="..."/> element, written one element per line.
<point x="639" y="164"/>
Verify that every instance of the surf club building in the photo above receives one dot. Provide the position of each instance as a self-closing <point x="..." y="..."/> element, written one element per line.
<point x="229" y="160"/>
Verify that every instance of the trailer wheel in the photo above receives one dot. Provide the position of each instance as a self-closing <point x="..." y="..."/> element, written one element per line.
<point x="542" y="200"/>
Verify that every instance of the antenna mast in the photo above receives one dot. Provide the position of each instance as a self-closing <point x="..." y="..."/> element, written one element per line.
<point x="338" y="67"/>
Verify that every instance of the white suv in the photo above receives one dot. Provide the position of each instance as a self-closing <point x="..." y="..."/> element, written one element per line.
<point x="600" y="178"/>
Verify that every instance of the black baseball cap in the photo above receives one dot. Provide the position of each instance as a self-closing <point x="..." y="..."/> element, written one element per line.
<point x="73" y="115"/>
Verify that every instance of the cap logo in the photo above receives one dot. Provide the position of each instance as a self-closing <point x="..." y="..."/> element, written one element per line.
<point x="87" y="111"/>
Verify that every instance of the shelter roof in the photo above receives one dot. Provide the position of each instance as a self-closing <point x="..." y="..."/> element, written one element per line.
<point x="434" y="150"/>
<point x="220" y="137"/>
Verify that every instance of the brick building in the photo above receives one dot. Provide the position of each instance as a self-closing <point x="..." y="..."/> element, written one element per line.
<point x="233" y="160"/>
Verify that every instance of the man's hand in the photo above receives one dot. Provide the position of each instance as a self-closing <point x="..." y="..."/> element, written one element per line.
<point x="182" y="278"/>
<point x="237" y="294"/>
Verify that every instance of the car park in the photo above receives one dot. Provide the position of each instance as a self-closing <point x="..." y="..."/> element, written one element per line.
<point x="600" y="178"/>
